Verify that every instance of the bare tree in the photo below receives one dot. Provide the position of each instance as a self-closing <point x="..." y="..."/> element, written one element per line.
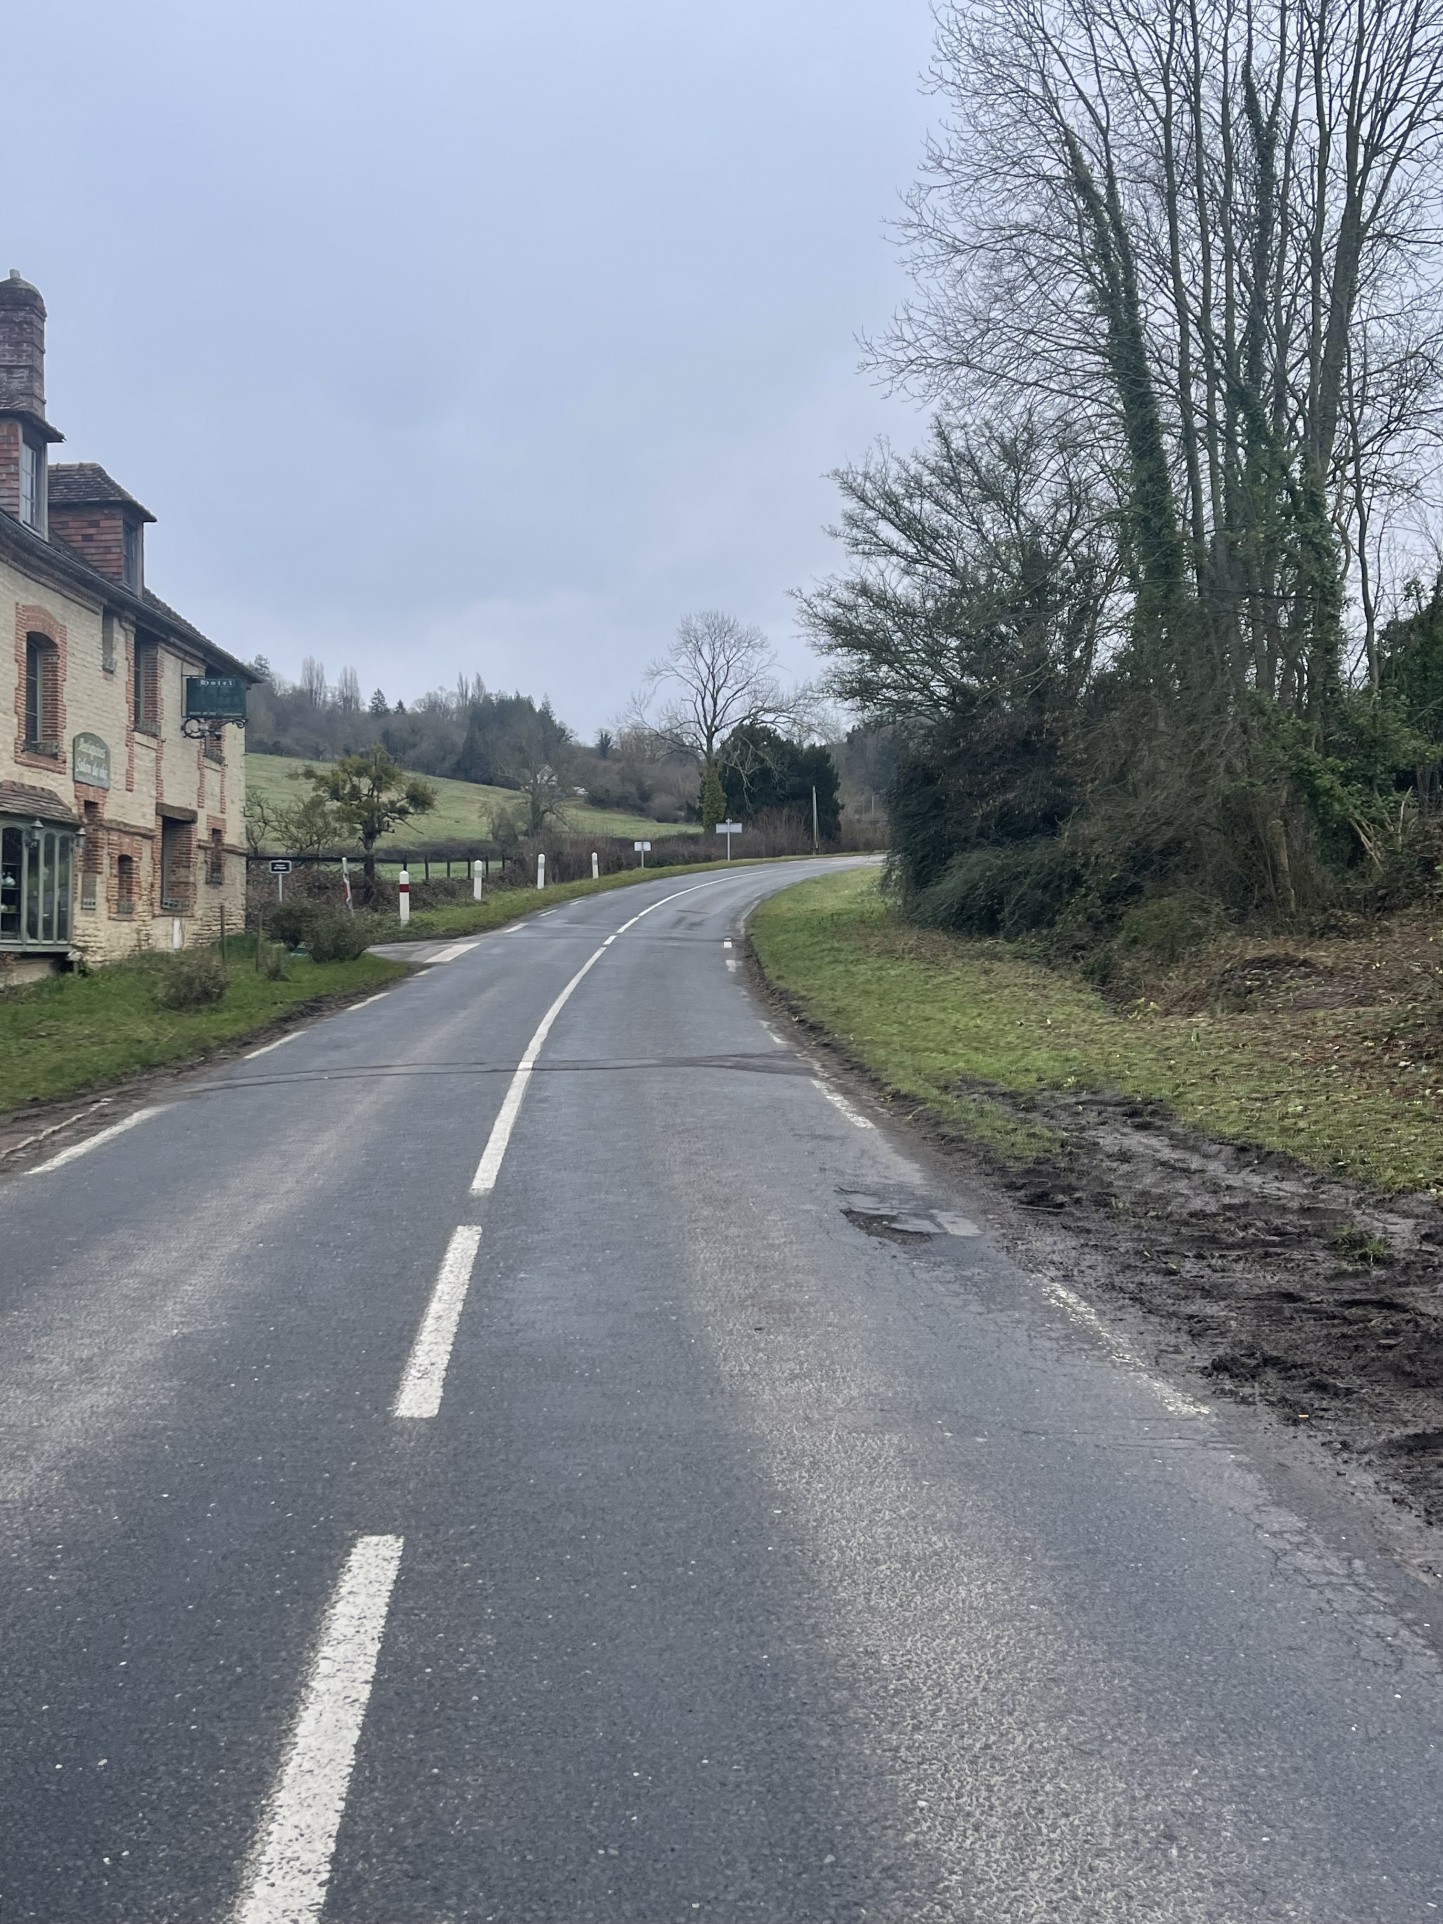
<point x="1179" y="224"/>
<point x="313" y="682"/>
<point x="348" y="692"/>
<point x="718" y="675"/>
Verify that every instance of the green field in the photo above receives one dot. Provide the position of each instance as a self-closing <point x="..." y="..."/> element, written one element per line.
<point x="971" y="1029"/>
<point x="463" y="809"/>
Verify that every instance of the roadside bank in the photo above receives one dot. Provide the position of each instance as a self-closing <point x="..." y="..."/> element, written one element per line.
<point x="1257" y="1180"/>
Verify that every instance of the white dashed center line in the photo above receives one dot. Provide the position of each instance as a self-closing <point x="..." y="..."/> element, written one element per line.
<point x="425" y="1377"/>
<point x="292" y="1862"/>
<point x="489" y="1167"/>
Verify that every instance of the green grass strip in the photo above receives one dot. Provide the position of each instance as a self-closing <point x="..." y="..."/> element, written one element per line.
<point x="78" y="1032"/>
<point x="943" y="1021"/>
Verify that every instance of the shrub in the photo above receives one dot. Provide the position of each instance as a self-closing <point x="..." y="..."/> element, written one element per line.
<point x="271" y="961"/>
<point x="1009" y="890"/>
<point x="190" y="979"/>
<point x="339" y="938"/>
<point x="291" y="922"/>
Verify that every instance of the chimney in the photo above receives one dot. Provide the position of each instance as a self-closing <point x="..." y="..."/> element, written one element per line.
<point x="22" y="398"/>
<point x="22" y="349"/>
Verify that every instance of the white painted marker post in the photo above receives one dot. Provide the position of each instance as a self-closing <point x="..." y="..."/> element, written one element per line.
<point x="478" y="876"/>
<point x="595" y="867"/>
<point x="403" y="883"/>
<point x="541" y="871"/>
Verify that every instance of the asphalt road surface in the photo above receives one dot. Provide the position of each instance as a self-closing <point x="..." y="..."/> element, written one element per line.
<point x="531" y="1447"/>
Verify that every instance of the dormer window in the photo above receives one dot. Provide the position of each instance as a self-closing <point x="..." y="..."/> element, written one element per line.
<point x="32" y="485"/>
<point x="131" y="562"/>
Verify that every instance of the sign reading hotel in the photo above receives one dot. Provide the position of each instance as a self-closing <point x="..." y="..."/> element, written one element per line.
<point x="91" y="761"/>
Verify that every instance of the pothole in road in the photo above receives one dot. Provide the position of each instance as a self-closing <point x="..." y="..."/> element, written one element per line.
<point x="902" y="1222"/>
<point x="891" y="1228"/>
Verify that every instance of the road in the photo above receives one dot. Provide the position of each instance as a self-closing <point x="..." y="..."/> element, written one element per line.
<point x="531" y="1447"/>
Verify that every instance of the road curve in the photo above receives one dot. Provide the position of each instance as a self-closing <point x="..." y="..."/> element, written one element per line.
<point x="532" y="1448"/>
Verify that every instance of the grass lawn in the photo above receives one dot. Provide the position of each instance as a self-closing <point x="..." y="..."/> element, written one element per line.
<point x="78" y="1032"/>
<point x="463" y="809"/>
<point x="955" y="1024"/>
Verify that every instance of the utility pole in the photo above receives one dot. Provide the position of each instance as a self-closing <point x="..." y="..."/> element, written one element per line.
<point x="815" y="842"/>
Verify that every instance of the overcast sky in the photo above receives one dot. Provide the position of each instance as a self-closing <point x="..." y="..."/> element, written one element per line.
<point x="468" y="335"/>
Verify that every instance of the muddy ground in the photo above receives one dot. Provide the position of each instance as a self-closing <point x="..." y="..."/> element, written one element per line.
<point x="1275" y="1286"/>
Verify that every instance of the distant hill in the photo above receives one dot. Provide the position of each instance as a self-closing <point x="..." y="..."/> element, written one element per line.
<point x="462" y="811"/>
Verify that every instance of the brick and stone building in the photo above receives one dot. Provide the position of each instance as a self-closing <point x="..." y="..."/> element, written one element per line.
<point x="118" y="830"/>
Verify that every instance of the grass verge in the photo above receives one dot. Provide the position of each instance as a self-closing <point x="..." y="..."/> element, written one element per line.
<point x="79" y="1032"/>
<point x="975" y="1032"/>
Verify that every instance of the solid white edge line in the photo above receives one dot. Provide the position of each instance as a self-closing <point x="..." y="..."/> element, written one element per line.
<point x="839" y="1101"/>
<point x="292" y="1863"/>
<point x="266" y="1047"/>
<point x="1072" y="1305"/>
<point x="96" y="1141"/>
<point x="379" y="996"/>
<point x="425" y="1374"/>
<point x="489" y="1167"/>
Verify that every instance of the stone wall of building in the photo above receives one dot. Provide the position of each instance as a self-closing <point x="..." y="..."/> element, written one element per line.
<point x="155" y="776"/>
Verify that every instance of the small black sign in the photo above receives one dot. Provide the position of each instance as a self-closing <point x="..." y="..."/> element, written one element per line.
<point x="281" y="866"/>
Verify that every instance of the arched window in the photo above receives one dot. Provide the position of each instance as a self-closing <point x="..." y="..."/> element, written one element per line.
<point x="42" y="696"/>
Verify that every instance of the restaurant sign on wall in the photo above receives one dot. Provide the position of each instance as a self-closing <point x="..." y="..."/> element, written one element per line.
<point x="90" y="761"/>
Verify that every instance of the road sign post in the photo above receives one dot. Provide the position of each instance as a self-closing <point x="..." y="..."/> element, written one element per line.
<point x="281" y="868"/>
<point x="729" y="829"/>
<point x="642" y="849"/>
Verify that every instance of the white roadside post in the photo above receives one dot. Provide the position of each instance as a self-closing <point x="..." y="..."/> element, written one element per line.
<point x="729" y="829"/>
<point x="641" y="849"/>
<point x="403" y="884"/>
<point x="478" y="875"/>
<point x="346" y="878"/>
<point x="541" y="871"/>
<point x="595" y="867"/>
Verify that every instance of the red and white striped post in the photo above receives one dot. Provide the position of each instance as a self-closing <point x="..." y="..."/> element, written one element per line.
<point x="403" y="884"/>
